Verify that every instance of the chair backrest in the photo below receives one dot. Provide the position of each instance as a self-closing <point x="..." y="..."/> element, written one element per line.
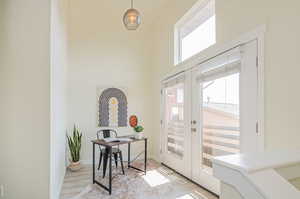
<point x="106" y="133"/>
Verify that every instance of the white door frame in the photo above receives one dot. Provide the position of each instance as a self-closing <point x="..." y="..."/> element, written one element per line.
<point x="259" y="35"/>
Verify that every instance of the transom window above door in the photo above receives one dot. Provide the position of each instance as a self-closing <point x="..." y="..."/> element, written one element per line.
<point x="195" y="31"/>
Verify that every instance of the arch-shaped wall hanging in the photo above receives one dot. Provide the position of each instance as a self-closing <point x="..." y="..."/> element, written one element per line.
<point x="109" y="98"/>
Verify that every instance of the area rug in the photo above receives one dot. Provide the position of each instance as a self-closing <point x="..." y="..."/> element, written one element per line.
<point x="159" y="183"/>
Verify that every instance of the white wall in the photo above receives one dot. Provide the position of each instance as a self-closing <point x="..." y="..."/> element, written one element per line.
<point x="103" y="53"/>
<point x="234" y="18"/>
<point x="282" y="64"/>
<point x="25" y="98"/>
<point x="58" y="95"/>
<point x="229" y="192"/>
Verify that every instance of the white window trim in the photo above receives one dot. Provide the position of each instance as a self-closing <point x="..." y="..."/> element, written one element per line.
<point x="199" y="5"/>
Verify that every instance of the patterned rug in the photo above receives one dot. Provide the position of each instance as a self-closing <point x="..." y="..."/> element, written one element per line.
<point x="159" y="183"/>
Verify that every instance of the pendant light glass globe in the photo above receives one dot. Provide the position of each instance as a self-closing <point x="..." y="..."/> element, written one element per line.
<point x="132" y="18"/>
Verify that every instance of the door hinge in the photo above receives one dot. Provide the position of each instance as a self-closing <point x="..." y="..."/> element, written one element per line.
<point x="161" y="122"/>
<point x="257" y="127"/>
<point x="161" y="92"/>
<point x="257" y="61"/>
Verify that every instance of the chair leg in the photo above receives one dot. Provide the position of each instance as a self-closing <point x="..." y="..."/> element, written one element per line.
<point x="121" y="160"/>
<point x="100" y="159"/>
<point x="105" y="161"/>
<point x="116" y="159"/>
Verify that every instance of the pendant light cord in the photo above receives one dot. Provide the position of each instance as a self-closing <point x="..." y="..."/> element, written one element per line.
<point x="131" y="3"/>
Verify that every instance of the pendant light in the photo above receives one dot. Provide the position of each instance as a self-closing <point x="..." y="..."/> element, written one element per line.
<point x="132" y="18"/>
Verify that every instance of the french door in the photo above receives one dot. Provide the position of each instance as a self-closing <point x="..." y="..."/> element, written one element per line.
<point x="176" y="150"/>
<point x="215" y="116"/>
<point x="209" y="111"/>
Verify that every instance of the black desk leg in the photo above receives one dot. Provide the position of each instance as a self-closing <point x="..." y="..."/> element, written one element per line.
<point x="110" y="174"/>
<point x="145" y="166"/>
<point x="128" y="155"/>
<point x="93" y="163"/>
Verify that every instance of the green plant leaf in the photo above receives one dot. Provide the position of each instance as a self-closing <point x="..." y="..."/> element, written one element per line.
<point x="74" y="143"/>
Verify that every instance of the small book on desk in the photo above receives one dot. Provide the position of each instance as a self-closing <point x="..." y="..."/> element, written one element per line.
<point x="117" y="139"/>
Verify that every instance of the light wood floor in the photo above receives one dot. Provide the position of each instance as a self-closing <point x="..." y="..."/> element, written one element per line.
<point x="296" y="182"/>
<point x="159" y="183"/>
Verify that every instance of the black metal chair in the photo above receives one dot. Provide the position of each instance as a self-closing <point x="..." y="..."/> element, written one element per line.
<point x="104" y="153"/>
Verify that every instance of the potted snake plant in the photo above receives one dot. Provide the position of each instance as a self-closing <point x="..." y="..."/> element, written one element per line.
<point x="74" y="143"/>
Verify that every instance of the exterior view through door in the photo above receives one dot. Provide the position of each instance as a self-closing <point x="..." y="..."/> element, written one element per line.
<point x="176" y="116"/>
<point x="208" y="111"/>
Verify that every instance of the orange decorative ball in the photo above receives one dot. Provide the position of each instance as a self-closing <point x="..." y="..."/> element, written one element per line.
<point x="133" y="121"/>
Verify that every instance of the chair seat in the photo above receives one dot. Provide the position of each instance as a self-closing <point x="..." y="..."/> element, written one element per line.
<point x="104" y="152"/>
<point x="114" y="150"/>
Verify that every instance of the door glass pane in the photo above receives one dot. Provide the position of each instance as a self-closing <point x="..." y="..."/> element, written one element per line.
<point x="221" y="119"/>
<point x="174" y="119"/>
